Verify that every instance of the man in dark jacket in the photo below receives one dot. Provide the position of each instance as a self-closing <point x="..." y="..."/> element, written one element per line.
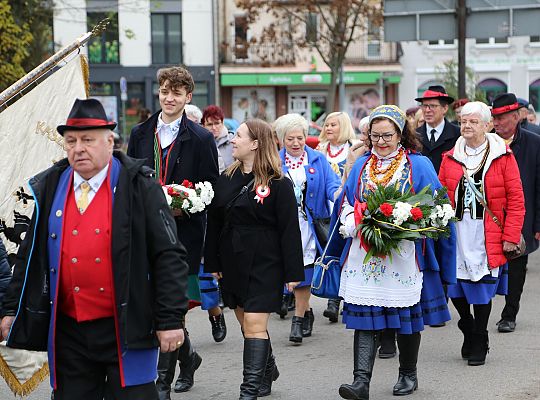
<point x="523" y="116"/>
<point x="178" y="149"/>
<point x="438" y="135"/>
<point x="100" y="279"/>
<point x="526" y="148"/>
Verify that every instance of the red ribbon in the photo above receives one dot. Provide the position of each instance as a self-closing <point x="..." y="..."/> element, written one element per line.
<point x="359" y="209"/>
<point x="504" y="109"/>
<point x="431" y="94"/>
<point x="87" y="122"/>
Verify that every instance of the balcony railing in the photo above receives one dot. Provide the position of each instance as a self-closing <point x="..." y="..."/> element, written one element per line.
<point x="372" y="52"/>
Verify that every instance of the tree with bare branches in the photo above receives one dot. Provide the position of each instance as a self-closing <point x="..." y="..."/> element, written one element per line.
<point x="340" y="22"/>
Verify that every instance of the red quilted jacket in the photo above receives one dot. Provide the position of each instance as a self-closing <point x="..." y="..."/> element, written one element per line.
<point x="502" y="190"/>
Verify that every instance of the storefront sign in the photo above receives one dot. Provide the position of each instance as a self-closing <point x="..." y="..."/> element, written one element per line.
<point x="350" y="78"/>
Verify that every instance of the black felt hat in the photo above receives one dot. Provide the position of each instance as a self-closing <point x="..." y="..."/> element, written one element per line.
<point x="437" y="92"/>
<point x="84" y="115"/>
<point x="504" y="103"/>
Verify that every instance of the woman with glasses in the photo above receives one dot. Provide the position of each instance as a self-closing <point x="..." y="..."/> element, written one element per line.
<point x="315" y="185"/>
<point x="336" y="138"/>
<point x="480" y="171"/>
<point x="402" y="292"/>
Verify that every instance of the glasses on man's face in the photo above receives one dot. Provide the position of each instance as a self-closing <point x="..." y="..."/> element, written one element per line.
<point x="430" y="106"/>
<point x="375" y="137"/>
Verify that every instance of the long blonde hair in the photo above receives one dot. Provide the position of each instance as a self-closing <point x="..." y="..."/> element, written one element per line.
<point x="346" y="130"/>
<point x="267" y="164"/>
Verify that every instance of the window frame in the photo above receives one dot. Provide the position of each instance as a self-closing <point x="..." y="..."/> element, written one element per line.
<point x="166" y="39"/>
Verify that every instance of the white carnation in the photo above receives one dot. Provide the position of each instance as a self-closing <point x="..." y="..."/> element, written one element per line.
<point x="401" y="212"/>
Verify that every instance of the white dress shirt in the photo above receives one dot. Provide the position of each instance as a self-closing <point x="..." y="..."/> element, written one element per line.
<point x="94" y="182"/>
<point x="439" y="128"/>
<point x="167" y="133"/>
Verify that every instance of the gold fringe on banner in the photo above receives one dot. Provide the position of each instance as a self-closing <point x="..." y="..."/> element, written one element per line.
<point x="27" y="387"/>
<point x="86" y="74"/>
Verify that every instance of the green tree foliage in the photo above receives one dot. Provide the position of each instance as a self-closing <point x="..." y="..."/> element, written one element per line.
<point x="14" y="42"/>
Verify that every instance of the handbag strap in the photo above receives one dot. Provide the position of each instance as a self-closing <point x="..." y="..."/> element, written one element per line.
<point x="242" y="191"/>
<point x="480" y="198"/>
<point x="334" y="228"/>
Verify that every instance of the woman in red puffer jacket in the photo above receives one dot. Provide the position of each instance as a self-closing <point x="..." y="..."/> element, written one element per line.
<point x="492" y="176"/>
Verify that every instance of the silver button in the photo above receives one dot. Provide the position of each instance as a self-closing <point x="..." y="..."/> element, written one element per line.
<point x="76" y="289"/>
<point x="53" y="270"/>
<point x="74" y="260"/>
<point x="58" y="213"/>
<point x="51" y="302"/>
<point x="98" y="260"/>
<point x="97" y="231"/>
<point x="101" y="289"/>
<point x="53" y="235"/>
<point x="75" y="232"/>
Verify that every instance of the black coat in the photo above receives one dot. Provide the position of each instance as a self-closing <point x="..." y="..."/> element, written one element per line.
<point x="5" y="270"/>
<point x="148" y="262"/>
<point x="193" y="157"/>
<point x="530" y="127"/>
<point x="446" y="142"/>
<point x="526" y="148"/>
<point x="259" y="248"/>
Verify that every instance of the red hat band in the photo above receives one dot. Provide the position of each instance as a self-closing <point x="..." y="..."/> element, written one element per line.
<point x="505" y="109"/>
<point x="431" y="93"/>
<point x="87" y="122"/>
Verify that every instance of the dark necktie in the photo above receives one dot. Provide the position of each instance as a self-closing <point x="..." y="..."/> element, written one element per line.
<point x="432" y="138"/>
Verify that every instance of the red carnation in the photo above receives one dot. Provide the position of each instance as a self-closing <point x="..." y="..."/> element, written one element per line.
<point x="416" y="213"/>
<point x="171" y="191"/>
<point x="386" y="209"/>
<point x="187" y="184"/>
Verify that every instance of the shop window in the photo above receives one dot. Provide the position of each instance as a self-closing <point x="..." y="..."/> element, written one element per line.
<point x="534" y="94"/>
<point x="104" y="49"/>
<point x="166" y="38"/>
<point x="492" y="88"/>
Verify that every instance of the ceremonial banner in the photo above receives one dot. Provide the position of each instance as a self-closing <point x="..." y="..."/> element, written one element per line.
<point x="30" y="144"/>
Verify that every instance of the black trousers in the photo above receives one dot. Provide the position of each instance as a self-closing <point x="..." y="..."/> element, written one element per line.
<point x="517" y="270"/>
<point x="87" y="363"/>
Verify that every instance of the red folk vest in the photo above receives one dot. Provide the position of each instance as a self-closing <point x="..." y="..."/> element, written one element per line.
<point x="86" y="289"/>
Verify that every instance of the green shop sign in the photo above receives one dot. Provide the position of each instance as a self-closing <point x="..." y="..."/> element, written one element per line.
<point x="350" y="78"/>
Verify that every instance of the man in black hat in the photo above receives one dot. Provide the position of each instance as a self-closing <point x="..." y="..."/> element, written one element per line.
<point x="523" y="115"/>
<point x="100" y="278"/>
<point x="526" y="148"/>
<point x="438" y="135"/>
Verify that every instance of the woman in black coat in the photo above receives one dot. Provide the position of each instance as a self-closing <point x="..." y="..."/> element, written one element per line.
<point x="253" y="246"/>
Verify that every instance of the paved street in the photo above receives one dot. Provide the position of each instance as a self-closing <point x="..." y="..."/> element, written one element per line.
<point x="315" y="369"/>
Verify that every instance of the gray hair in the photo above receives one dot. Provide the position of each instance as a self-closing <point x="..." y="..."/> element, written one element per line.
<point x="531" y="109"/>
<point x="193" y="112"/>
<point x="477" y="107"/>
<point x="288" y="123"/>
<point x="363" y="123"/>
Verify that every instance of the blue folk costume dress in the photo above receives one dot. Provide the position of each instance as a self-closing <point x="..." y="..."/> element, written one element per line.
<point x="336" y="156"/>
<point x="402" y="292"/>
<point x="315" y="184"/>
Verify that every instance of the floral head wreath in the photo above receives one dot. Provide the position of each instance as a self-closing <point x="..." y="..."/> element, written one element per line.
<point x="390" y="112"/>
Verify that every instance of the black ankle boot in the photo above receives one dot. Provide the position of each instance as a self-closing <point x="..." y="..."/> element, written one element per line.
<point x="332" y="310"/>
<point x="388" y="344"/>
<point x="284" y="309"/>
<point x="166" y="368"/>
<point x="271" y="373"/>
<point x="189" y="361"/>
<point x="406" y="384"/>
<point x="296" y="329"/>
<point x="255" y="361"/>
<point x="219" y="329"/>
<point x="365" y="349"/>
<point x="480" y="348"/>
<point x="466" y="326"/>
<point x="307" y="326"/>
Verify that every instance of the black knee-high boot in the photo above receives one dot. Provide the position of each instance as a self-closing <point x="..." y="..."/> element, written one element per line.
<point x="480" y="339"/>
<point x="188" y="361"/>
<point x="166" y="368"/>
<point x="271" y="373"/>
<point x="255" y="360"/>
<point x="408" y="356"/>
<point x="466" y="326"/>
<point x="332" y="310"/>
<point x="365" y="349"/>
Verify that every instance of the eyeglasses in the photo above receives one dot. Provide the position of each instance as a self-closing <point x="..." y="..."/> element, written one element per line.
<point x="385" y="136"/>
<point x="430" y="106"/>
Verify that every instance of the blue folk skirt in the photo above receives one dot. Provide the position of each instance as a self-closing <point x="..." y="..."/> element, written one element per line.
<point x="308" y="277"/>
<point x="482" y="291"/>
<point x="432" y="309"/>
<point x="209" y="290"/>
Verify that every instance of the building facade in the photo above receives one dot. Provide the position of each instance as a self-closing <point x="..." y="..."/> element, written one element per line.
<point x="272" y="77"/>
<point x="142" y="36"/>
<point x="499" y="65"/>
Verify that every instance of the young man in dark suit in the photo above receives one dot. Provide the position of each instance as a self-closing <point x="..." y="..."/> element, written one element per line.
<point x="438" y="135"/>
<point x="178" y="149"/>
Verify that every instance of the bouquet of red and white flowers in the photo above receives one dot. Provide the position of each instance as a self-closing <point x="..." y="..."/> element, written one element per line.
<point x="188" y="197"/>
<point x="389" y="216"/>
